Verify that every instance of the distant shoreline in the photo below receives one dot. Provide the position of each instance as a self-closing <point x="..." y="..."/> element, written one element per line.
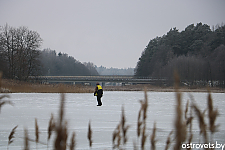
<point x="14" y="86"/>
<point x="162" y="89"/>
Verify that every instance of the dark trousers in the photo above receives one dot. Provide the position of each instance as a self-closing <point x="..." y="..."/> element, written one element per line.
<point x="99" y="100"/>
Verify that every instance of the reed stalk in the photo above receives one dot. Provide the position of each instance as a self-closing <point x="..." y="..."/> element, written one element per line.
<point x="202" y="125"/>
<point x="36" y="133"/>
<point x="180" y="126"/>
<point x="89" y="135"/>
<point x="4" y="102"/>
<point x="61" y="128"/>
<point x="26" y="140"/>
<point x="212" y="115"/>
<point x="142" y="116"/>
<point x="152" y="139"/>
<point x="124" y="127"/>
<point x="116" y="138"/>
<point x="168" y="141"/>
<point x="51" y="127"/>
<point x="73" y="142"/>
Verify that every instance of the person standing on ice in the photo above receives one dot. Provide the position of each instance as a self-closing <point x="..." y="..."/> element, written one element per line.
<point x="98" y="93"/>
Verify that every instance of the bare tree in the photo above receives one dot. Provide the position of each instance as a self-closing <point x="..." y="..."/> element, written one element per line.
<point x="20" y="48"/>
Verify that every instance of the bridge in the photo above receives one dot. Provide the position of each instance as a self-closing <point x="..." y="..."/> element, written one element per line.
<point x="91" y="80"/>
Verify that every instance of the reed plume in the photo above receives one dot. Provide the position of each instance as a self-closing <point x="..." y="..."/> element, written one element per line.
<point x="143" y="138"/>
<point x="73" y="142"/>
<point x="145" y="105"/>
<point x="186" y="110"/>
<point x="212" y="115"/>
<point x="3" y="102"/>
<point x="189" y="122"/>
<point x="11" y="135"/>
<point x="51" y="126"/>
<point x="141" y="123"/>
<point x="201" y="121"/>
<point x="116" y="135"/>
<point x="152" y="139"/>
<point x="180" y="126"/>
<point x="168" y="141"/>
<point x="120" y="133"/>
<point x="36" y="131"/>
<point x="3" y="96"/>
<point x="124" y="127"/>
<point x="61" y="128"/>
<point x="89" y="135"/>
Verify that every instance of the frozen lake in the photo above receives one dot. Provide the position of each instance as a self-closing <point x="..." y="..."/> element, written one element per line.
<point x="80" y="108"/>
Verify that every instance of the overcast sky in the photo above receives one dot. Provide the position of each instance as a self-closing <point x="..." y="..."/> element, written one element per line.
<point x="111" y="33"/>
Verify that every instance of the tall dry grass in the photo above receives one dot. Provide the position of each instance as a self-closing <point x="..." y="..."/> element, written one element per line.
<point x="11" y="136"/>
<point x="16" y="86"/>
<point x="179" y="124"/>
<point x="182" y="132"/>
<point x="89" y="135"/>
<point x="120" y="133"/>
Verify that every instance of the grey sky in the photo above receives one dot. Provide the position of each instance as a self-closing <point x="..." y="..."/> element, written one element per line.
<point x="112" y="33"/>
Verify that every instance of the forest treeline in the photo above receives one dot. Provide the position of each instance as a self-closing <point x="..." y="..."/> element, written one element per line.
<point x="114" y="71"/>
<point x="53" y="64"/>
<point x="197" y="53"/>
<point x="20" y="56"/>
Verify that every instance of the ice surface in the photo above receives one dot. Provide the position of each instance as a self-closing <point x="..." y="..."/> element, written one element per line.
<point x="81" y="108"/>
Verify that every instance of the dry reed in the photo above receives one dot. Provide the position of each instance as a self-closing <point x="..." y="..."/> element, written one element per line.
<point x="3" y="102"/>
<point x="141" y="121"/>
<point x="212" y="114"/>
<point x="201" y="120"/>
<point x="186" y="110"/>
<point x="51" y="126"/>
<point x="73" y="142"/>
<point x="143" y="138"/>
<point x="61" y="128"/>
<point x="124" y="127"/>
<point x="152" y="139"/>
<point x="11" y="135"/>
<point x="120" y="133"/>
<point x="89" y="134"/>
<point x="36" y="131"/>
<point x="189" y="122"/>
<point x="26" y="140"/>
<point x="15" y="86"/>
<point x="168" y="141"/>
<point x="180" y="126"/>
<point x="116" y="135"/>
